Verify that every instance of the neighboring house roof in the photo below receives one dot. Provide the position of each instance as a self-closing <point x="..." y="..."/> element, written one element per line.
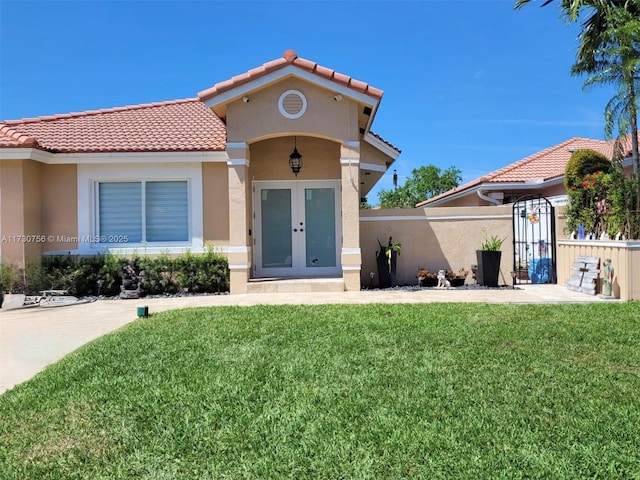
<point x="178" y="125"/>
<point x="290" y="57"/>
<point x="545" y="166"/>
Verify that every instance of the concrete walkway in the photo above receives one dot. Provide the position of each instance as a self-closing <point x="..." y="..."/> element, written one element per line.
<point x="31" y="339"/>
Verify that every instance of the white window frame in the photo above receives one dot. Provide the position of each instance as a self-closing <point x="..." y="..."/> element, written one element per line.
<point x="89" y="176"/>
<point x="113" y="240"/>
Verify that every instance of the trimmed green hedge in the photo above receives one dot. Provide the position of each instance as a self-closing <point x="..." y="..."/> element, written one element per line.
<point x="102" y="274"/>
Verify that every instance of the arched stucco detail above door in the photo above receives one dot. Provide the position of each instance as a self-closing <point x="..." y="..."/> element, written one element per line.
<point x="270" y="158"/>
<point x="260" y="117"/>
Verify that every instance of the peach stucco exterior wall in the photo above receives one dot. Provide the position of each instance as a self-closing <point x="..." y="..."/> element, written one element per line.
<point x="260" y="118"/>
<point x="38" y="203"/>
<point x="240" y="254"/>
<point x="351" y="256"/>
<point x="260" y="140"/>
<point x="368" y="154"/>
<point x="443" y="238"/>
<point x="12" y="211"/>
<point x="215" y="208"/>
<point x="270" y="159"/>
<point x="59" y="205"/>
<point x="32" y="201"/>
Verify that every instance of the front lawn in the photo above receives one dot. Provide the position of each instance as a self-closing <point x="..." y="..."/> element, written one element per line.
<point x="363" y="391"/>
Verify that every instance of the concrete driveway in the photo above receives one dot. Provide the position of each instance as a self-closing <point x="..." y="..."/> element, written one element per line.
<point x="31" y="339"/>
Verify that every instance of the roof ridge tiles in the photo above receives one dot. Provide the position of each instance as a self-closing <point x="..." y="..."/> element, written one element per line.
<point x="290" y="57"/>
<point x="87" y="113"/>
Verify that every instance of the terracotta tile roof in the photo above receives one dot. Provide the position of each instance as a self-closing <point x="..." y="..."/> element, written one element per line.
<point x="178" y="125"/>
<point x="544" y="165"/>
<point x="547" y="164"/>
<point x="10" y="137"/>
<point x="290" y="57"/>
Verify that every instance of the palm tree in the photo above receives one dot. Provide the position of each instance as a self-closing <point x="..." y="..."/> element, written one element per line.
<point x="609" y="52"/>
<point x="615" y="61"/>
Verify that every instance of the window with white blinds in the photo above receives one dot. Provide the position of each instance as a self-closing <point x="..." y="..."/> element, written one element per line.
<point x="166" y="211"/>
<point x="148" y="211"/>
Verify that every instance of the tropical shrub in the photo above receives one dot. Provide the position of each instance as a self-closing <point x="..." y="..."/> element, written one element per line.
<point x="159" y="274"/>
<point x="605" y="203"/>
<point x="584" y="162"/>
<point x="78" y="275"/>
<point x="10" y="279"/>
<point x="201" y="273"/>
<point x="102" y="274"/>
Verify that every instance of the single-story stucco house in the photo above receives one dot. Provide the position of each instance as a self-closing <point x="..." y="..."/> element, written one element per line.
<point x="539" y="174"/>
<point x="267" y="167"/>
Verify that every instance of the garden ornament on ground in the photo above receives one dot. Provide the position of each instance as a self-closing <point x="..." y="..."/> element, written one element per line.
<point x="442" y="279"/>
<point x="608" y="278"/>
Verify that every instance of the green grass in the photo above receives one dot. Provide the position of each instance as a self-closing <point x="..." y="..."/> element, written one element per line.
<point x="368" y="391"/>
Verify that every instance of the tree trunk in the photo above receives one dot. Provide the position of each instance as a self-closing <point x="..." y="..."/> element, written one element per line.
<point x="633" y="114"/>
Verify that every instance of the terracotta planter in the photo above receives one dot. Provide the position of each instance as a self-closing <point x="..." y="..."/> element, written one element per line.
<point x="522" y="274"/>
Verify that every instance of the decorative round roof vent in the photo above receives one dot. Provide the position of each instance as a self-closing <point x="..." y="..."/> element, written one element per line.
<point x="292" y="104"/>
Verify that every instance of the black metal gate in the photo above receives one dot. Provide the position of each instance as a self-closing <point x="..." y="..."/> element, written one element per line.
<point x="534" y="240"/>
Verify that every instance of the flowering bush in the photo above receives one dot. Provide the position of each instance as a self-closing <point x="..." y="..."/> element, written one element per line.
<point x="605" y="203"/>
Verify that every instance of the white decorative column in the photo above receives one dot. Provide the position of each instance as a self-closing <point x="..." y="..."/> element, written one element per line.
<point x="351" y="255"/>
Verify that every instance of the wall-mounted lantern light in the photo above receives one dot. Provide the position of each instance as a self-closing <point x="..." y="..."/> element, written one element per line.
<point x="295" y="159"/>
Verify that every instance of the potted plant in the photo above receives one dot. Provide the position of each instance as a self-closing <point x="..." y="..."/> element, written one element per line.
<point x="426" y="278"/>
<point x="457" y="279"/>
<point x="521" y="271"/>
<point x="488" y="258"/>
<point x="386" y="258"/>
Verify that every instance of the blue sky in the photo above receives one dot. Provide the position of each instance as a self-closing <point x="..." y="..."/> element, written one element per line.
<point x="472" y="84"/>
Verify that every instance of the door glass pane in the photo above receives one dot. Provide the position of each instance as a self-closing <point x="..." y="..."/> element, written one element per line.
<point x="320" y="208"/>
<point x="276" y="228"/>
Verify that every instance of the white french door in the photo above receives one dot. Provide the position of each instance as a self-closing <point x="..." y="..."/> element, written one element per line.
<point x="297" y="228"/>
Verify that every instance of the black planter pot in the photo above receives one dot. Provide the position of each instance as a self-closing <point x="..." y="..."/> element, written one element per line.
<point x="429" y="282"/>
<point x="488" y="267"/>
<point x="392" y="273"/>
<point x="386" y="275"/>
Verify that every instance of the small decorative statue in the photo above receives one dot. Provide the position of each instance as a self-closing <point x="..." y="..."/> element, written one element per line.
<point x="442" y="279"/>
<point x="608" y="277"/>
<point x="131" y="281"/>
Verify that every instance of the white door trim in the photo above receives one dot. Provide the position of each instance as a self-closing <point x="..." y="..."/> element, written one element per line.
<point x="299" y="268"/>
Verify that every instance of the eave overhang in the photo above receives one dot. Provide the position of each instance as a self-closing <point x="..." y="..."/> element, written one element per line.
<point x="50" y="158"/>
<point x="493" y="187"/>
